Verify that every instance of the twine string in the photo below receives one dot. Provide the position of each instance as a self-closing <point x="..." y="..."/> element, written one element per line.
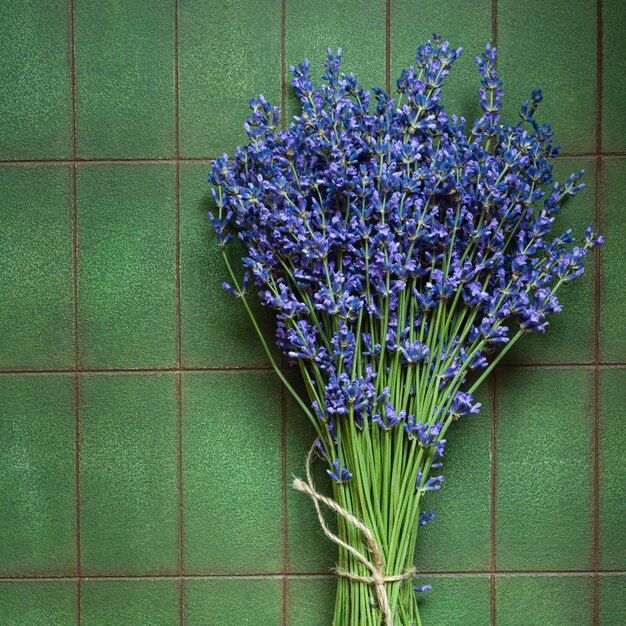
<point x="378" y="578"/>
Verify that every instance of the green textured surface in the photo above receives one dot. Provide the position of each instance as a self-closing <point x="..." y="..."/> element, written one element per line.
<point x="465" y="24"/>
<point x="215" y="328"/>
<point x="456" y="601"/>
<point x="458" y="539"/>
<point x="310" y="601"/>
<point x="124" y="80"/>
<point x="49" y="603"/>
<point x="612" y="605"/>
<point x="233" y="602"/>
<point x="230" y="490"/>
<point x="232" y="473"/>
<point x="613" y="70"/>
<point x="544" y="600"/>
<point x="612" y="468"/>
<point x="219" y="73"/>
<point x="552" y="46"/>
<point x="313" y="26"/>
<point x="309" y="550"/>
<point x="125" y="602"/>
<point x="128" y="452"/>
<point x="37" y="487"/>
<point x="613" y="303"/>
<point x="35" y="118"/>
<point x="126" y="265"/>
<point x="570" y="336"/>
<point x="36" y="309"/>
<point x="545" y="469"/>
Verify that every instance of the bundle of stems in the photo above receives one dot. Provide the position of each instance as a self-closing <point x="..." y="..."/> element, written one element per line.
<point x="397" y="248"/>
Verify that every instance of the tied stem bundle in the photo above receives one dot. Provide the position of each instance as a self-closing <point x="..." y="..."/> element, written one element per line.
<point x="404" y="253"/>
<point x="378" y="577"/>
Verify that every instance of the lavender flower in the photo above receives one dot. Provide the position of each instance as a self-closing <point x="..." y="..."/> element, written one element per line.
<point x="404" y="252"/>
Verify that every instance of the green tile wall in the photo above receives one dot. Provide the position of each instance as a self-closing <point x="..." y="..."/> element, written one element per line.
<point x="545" y="600"/>
<point x="35" y="108"/>
<point x="124" y="81"/>
<point x="36" y="310"/>
<point x="129" y="601"/>
<point x="126" y="243"/>
<point x="128" y="474"/>
<point x="147" y="449"/>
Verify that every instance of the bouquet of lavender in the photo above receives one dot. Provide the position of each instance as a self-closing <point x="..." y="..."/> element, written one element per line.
<point x="404" y="252"/>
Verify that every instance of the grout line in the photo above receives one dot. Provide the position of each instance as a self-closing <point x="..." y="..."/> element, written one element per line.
<point x="494" y="420"/>
<point x="147" y="370"/>
<point x="303" y="575"/>
<point x="179" y="408"/>
<point x="208" y="159"/>
<point x="283" y="399"/>
<point x="283" y="447"/>
<point x="597" y="309"/>
<point x="75" y="310"/>
<point x="492" y="510"/>
<point x="388" y="46"/>
<point x="105" y="161"/>
<point x="267" y="368"/>
<point x="283" y="65"/>
<point x="76" y="402"/>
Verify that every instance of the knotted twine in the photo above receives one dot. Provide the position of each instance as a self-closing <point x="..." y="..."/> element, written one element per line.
<point x="378" y="578"/>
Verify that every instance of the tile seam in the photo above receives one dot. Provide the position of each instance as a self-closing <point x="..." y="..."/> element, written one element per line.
<point x="75" y="308"/>
<point x="494" y="421"/>
<point x="283" y="412"/>
<point x="207" y="159"/>
<point x="106" y="161"/>
<point x="597" y="310"/>
<point x="297" y="575"/>
<point x="178" y="382"/>
<point x="263" y="368"/>
<point x="285" y="520"/>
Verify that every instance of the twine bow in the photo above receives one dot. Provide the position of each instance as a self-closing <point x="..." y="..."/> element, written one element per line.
<point x="378" y="578"/>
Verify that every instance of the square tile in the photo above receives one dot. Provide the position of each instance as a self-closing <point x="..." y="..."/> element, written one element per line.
<point x="233" y="518"/>
<point x="233" y="602"/>
<point x="128" y="474"/>
<point x="532" y="38"/>
<point x="455" y="600"/>
<point x="126" y="265"/>
<point x="613" y="71"/>
<point x="35" y="108"/>
<point x="544" y="600"/>
<point x="612" y="468"/>
<point x="544" y="462"/>
<point x="36" y="310"/>
<point x="613" y="295"/>
<point x="310" y="601"/>
<point x="570" y="336"/>
<point x="215" y="328"/>
<point x="229" y="53"/>
<point x="125" y="96"/>
<point x="37" y="488"/>
<point x="464" y="24"/>
<point x="446" y="543"/>
<point x="309" y="549"/>
<point x="124" y="602"/>
<point x="356" y="27"/>
<point x="612" y="605"/>
<point x="41" y="603"/>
